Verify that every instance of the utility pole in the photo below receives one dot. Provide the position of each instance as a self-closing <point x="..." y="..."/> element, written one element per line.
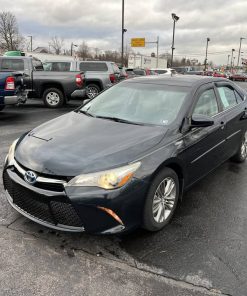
<point x="31" y="42"/>
<point x="241" y="38"/>
<point x="206" y="59"/>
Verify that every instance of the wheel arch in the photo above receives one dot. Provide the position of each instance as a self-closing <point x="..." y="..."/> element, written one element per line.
<point x="96" y="82"/>
<point x="46" y="86"/>
<point x="178" y="168"/>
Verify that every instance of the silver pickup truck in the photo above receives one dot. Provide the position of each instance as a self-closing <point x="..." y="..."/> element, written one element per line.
<point x="99" y="75"/>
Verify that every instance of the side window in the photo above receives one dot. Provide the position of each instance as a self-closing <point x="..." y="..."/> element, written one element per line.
<point x="207" y="104"/>
<point x="227" y="97"/>
<point x="13" y="64"/>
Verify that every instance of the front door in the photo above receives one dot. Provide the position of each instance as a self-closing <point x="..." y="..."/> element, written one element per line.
<point x="205" y="146"/>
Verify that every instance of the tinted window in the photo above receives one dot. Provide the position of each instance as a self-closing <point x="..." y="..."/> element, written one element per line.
<point x="93" y="67"/>
<point x="57" y="66"/>
<point x="137" y="102"/>
<point x="207" y="104"/>
<point x="161" y="71"/>
<point x="227" y="97"/>
<point x="139" y="72"/>
<point x="12" y="64"/>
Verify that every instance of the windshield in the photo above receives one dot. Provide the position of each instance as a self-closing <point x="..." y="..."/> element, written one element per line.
<point x="138" y="103"/>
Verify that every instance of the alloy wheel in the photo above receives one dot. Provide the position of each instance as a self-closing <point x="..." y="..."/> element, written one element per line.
<point x="164" y="200"/>
<point x="92" y="92"/>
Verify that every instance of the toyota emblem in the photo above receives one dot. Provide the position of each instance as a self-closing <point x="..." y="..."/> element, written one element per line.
<point x="30" y="177"/>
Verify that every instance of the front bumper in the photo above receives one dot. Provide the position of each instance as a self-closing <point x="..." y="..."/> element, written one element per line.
<point x="74" y="209"/>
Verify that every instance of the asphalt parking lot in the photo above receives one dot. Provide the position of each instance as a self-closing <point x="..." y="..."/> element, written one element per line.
<point x="202" y="252"/>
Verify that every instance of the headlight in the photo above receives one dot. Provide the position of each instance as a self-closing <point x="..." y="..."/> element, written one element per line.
<point x="11" y="153"/>
<point x="109" y="179"/>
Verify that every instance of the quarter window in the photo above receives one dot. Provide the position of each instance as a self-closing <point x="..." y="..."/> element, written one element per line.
<point x="207" y="104"/>
<point x="227" y="97"/>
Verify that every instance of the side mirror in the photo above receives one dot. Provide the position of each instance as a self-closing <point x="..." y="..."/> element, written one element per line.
<point x="199" y="120"/>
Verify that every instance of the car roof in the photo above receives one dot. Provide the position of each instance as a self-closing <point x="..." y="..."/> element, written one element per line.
<point x="177" y="80"/>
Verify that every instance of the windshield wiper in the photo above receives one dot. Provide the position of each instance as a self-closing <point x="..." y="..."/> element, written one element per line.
<point x="119" y="120"/>
<point x="86" y="113"/>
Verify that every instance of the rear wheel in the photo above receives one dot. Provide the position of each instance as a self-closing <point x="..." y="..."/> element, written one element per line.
<point x="161" y="200"/>
<point x="53" y="98"/>
<point x="2" y="107"/>
<point x="92" y="90"/>
<point x="241" y="155"/>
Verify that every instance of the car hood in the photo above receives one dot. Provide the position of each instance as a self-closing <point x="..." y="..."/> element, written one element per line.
<point x="75" y="143"/>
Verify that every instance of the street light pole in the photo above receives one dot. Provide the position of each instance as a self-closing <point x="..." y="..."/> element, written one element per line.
<point x="123" y="31"/>
<point x="71" y="48"/>
<point x="206" y="59"/>
<point x="240" y="49"/>
<point x="157" y="58"/>
<point x="175" y="19"/>
<point x="232" y="59"/>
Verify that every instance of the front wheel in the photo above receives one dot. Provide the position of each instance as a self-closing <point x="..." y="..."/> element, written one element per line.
<point x="241" y="154"/>
<point x="53" y="98"/>
<point x="161" y="200"/>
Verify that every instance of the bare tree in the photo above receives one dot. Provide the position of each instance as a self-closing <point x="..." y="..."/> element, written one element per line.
<point x="10" y="39"/>
<point x="83" y="51"/>
<point x="56" y="44"/>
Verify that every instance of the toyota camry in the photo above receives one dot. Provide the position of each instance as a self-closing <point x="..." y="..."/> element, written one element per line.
<point x="123" y="159"/>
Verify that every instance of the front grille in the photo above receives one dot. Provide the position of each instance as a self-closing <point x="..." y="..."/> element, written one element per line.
<point x="43" y="185"/>
<point x="55" y="209"/>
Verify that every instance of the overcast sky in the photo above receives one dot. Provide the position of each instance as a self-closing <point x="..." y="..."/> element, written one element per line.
<point x="99" y="23"/>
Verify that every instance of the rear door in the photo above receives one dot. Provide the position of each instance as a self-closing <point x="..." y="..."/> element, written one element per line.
<point x="235" y="111"/>
<point x="205" y="146"/>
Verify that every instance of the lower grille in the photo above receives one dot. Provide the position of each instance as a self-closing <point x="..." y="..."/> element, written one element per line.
<point x="55" y="210"/>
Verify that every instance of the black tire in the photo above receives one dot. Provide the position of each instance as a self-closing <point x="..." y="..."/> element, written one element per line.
<point x="2" y="107"/>
<point x="149" y="222"/>
<point x="92" y="90"/>
<point x="53" y="98"/>
<point x="241" y="154"/>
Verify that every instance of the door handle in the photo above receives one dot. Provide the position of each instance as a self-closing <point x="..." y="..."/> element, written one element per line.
<point x="222" y="125"/>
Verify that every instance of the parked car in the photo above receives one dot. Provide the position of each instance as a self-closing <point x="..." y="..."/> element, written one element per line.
<point x="123" y="73"/>
<point x="219" y="74"/>
<point x="239" y="77"/>
<point x="123" y="161"/>
<point x="12" y="89"/>
<point x="166" y="71"/>
<point x="99" y="75"/>
<point x="55" y="88"/>
<point x="135" y="72"/>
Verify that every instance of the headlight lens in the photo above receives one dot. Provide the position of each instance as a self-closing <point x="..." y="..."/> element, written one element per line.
<point x="11" y="153"/>
<point x="109" y="179"/>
